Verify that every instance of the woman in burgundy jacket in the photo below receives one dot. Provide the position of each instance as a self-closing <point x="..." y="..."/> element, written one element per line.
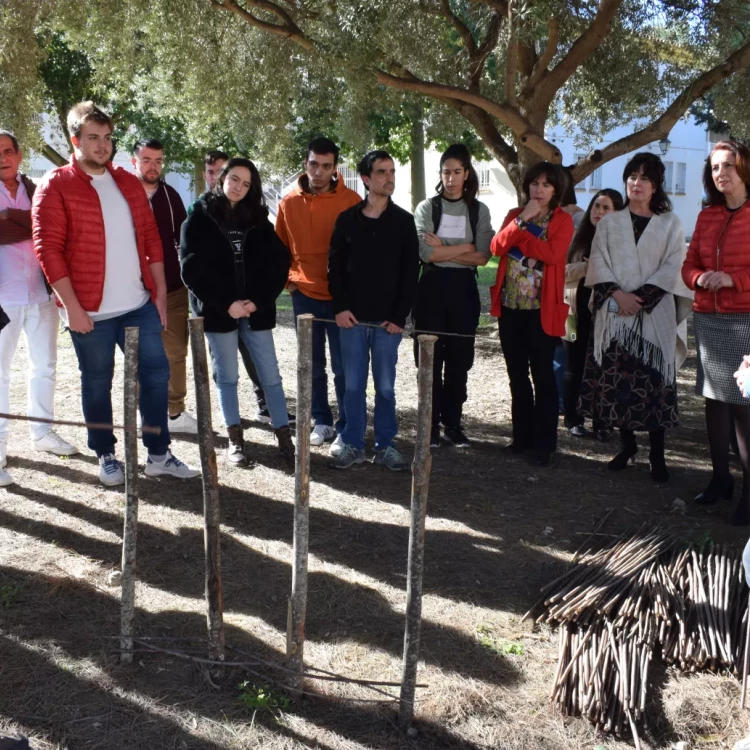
<point x="527" y="297"/>
<point x="717" y="267"/>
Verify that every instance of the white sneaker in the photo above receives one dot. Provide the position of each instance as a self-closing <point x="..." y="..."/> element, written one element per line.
<point x="53" y="443"/>
<point x="322" y="433"/>
<point x="5" y="478"/>
<point x="110" y="471"/>
<point x="170" y="466"/>
<point x="336" y="447"/>
<point x="3" y="452"/>
<point x="185" y="424"/>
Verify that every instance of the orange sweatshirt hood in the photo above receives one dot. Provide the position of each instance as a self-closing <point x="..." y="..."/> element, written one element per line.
<point x="305" y="224"/>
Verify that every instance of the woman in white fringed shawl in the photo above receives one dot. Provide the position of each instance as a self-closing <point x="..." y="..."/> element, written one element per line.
<point x="640" y="305"/>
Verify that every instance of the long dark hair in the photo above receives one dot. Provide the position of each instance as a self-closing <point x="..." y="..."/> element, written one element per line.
<point x="251" y="209"/>
<point x="580" y="248"/>
<point x="741" y="153"/>
<point x="653" y="168"/>
<point x="471" y="186"/>
<point x="555" y="176"/>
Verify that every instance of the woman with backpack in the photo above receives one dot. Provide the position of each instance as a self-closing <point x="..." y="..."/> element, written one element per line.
<point x="455" y="232"/>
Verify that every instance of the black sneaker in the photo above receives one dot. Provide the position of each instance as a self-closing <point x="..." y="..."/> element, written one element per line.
<point x="435" y="437"/>
<point x="264" y="416"/>
<point x="455" y="436"/>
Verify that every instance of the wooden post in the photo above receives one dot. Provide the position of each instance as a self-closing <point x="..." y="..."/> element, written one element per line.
<point x="420" y="484"/>
<point x="746" y="660"/>
<point x="297" y="608"/>
<point x="130" y="527"/>
<point x="211" y="511"/>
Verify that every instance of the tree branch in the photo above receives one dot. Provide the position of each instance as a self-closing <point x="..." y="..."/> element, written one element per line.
<point x="53" y="155"/>
<point x="287" y="29"/>
<point x="550" y="50"/>
<point x="551" y="82"/>
<point x="660" y="128"/>
<point x="501" y="6"/>
<point x="463" y="30"/>
<point x="508" y="115"/>
<point x="511" y="62"/>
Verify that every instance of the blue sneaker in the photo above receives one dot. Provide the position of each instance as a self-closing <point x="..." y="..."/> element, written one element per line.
<point x="391" y="459"/>
<point x="170" y="466"/>
<point x="110" y="471"/>
<point x="349" y="456"/>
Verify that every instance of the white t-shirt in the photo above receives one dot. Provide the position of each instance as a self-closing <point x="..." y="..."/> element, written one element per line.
<point x="123" y="284"/>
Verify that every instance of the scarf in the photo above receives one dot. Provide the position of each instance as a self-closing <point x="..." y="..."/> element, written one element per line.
<point x="658" y="338"/>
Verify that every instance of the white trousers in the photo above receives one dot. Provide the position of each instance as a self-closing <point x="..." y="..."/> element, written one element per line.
<point x="40" y="324"/>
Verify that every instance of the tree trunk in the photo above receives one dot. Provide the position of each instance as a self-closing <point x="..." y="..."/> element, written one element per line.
<point x="416" y="157"/>
<point x="199" y="181"/>
<point x="53" y="155"/>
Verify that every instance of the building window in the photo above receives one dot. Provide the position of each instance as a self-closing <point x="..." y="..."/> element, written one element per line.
<point x="596" y="179"/>
<point x="582" y="184"/>
<point x="483" y="173"/>
<point x="680" y="179"/>
<point x="668" y="175"/>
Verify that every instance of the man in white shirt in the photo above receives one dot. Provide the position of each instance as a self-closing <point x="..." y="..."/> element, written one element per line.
<point x="26" y="300"/>
<point x="99" y="247"/>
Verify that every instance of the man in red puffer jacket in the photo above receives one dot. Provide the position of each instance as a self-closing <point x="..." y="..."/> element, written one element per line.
<point x="100" y="249"/>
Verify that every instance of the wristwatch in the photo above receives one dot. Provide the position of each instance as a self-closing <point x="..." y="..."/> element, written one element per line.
<point x="520" y="223"/>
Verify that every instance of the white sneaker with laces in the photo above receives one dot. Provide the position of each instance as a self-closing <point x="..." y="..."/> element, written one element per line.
<point x="110" y="471"/>
<point x="322" y="433"/>
<point x="185" y="424"/>
<point x="5" y="478"/>
<point x="53" y="443"/>
<point x="336" y="447"/>
<point x="3" y="452"/>
<point x="169" y="466"/>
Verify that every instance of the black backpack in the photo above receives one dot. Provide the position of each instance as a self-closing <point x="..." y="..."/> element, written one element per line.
<point x="437" y="214"/>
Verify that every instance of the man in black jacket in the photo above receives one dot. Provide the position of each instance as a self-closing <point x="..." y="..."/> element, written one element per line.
<point x="373" y="265"/>
<point x="169" y="212"/>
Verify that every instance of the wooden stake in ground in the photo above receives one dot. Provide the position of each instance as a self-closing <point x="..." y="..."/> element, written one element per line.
<point x="211" y="512"/>
<point x="130" y="528"/>
<point x="746" y="661"/>
<point x="298" y="601"/>
<point x="419" y="488"/>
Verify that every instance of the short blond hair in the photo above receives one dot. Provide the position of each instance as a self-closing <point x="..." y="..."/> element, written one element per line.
<point x="84" y="112"/>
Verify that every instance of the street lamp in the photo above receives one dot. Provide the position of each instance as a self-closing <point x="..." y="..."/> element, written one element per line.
<point x="664" y="145"/>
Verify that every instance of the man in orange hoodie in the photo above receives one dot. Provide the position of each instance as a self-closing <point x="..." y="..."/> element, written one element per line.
<point x="304" y="223"/>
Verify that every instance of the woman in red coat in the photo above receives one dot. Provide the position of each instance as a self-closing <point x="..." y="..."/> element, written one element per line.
<point x="717" y="267"/>
<point x="527" y="297"/>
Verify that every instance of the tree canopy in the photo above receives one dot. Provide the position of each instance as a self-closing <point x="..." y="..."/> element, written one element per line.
<point x="274" y="72"/>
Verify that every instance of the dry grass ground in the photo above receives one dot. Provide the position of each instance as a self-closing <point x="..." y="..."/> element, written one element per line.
<point x="497" y="530"/>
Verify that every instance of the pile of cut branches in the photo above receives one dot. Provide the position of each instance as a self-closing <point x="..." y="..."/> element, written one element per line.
<point x="645" y="596"/>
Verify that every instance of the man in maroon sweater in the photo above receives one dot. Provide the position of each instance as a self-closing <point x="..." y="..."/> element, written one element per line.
<point x="169" y="212"/>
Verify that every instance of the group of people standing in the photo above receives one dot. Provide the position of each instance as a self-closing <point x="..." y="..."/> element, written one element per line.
<point x="120" y="249"/>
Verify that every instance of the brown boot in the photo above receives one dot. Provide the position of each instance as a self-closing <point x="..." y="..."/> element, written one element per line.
<point x="286" y="446"/>
<point x="235" y="453"/>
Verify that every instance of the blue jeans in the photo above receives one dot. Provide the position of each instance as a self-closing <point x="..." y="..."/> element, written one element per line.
<point x="321" y="411"/>
<point x="357" y="344"/>
<point x="96" y="361"/>
<point x="226" y="370"/>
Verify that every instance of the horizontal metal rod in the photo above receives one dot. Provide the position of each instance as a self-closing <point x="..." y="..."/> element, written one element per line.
<point x="87" y="425"/>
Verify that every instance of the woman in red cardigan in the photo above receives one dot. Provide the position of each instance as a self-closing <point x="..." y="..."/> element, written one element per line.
<point x="717" y="267"/>
<point x="527" y="297"/>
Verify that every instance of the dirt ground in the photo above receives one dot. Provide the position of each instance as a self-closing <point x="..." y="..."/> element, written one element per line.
<point x="498" y="529"/>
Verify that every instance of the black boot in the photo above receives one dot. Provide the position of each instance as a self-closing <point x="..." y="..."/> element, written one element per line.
<point x="719" y="488"/>
<point x="628" y="450"/>
<point x="235" y="453"/>
<point x="659" y="471"/>
<point x="286" y="446"/>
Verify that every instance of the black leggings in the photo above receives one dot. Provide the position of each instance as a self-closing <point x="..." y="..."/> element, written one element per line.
<point x="448" y="300"/>
<point x="721" y="420"/>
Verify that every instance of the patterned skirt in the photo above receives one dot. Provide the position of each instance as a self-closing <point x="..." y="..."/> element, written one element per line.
<point x="721" y="340"/>
<point x="626" y="393"/>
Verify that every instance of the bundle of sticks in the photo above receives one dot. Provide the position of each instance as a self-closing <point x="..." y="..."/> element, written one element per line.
<point x="642" y="597"/>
